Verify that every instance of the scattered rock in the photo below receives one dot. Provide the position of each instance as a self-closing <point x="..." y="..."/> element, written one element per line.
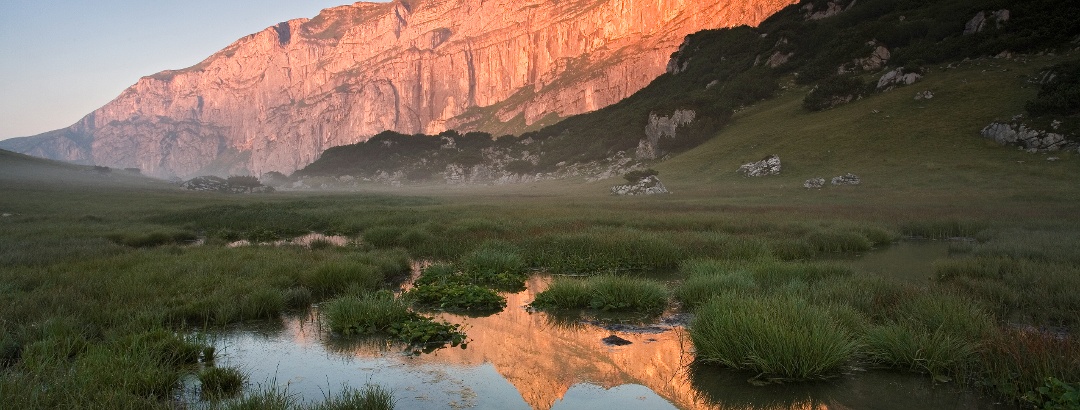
<point x="616" y="341"/>
<point x="876" y="61"/>
<point x="925" y="95"/>
<point x="846" y="179"/>
<point x="1051" y="159"/>
<point x="6" y="215"/>
<point x="649" y="185"/>
<point x="897" y="77"/>
<point x="769" y="165"/>
<point x="1031" y="140"/>
<point x="814" y="183"/>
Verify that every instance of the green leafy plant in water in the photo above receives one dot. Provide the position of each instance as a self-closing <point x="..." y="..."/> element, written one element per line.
<point x="456" y="297"/>
<point x="1055" y="395"/>
<point x="426" y="335"/>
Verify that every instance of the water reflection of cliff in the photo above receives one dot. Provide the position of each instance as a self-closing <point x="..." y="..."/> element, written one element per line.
<point x="543" y="358"/>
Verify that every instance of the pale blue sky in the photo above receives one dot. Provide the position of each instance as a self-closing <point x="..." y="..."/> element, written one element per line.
<point x="62" y="59"/>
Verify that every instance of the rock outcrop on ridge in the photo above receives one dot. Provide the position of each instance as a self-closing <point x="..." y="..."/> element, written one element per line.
<point x="274" y="100"/>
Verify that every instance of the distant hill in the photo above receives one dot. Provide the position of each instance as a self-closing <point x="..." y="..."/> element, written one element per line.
<point x="20" y="169"/>
<point x="825" y="54"/>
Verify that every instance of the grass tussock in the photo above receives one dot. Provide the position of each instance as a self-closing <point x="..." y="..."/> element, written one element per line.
<point x="219" y="382"/>
<point x="607" y="293"/>
<point x="781" y="338"/>
<point x="369" y="397"/>
<point x="365" y="314"/>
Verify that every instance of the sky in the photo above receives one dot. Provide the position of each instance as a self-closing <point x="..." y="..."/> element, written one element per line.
<point x="62" y="59"/>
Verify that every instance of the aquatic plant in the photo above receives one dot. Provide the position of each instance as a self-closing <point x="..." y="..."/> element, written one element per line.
<point x="455" y="297"/>
<point x="425" y="335"/>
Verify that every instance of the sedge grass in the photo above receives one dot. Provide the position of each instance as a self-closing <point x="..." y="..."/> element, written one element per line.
<point x="777" y="337"/>
<point x="606" y="293"/>
<point x="218" y="382"/>
<point x="365" y="314"/>
<point x="368" y="397"/>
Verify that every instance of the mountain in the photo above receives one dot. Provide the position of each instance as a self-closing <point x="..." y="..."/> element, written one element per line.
<point x="274" y="100"/>
<point x="825" y="53"/>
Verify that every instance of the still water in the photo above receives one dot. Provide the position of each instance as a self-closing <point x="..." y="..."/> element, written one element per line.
<point x="518" y="359"/>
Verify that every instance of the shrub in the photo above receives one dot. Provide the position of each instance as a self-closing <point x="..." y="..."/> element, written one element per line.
<point x="1060" y="95"/>
<point x="834" y="91"/>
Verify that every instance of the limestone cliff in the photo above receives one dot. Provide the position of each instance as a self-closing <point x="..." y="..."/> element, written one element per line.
<point x="274" y="100"/>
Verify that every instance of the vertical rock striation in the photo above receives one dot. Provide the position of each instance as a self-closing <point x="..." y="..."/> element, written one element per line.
<point x="274" y="100"/>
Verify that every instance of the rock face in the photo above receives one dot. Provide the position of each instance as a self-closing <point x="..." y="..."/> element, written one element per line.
<point x="274" y="100"/>
<point x="770" y="165"/>
<point x="662" y="127"/>
<point x="1029" y="139"/>
<point x="649" y="185"/>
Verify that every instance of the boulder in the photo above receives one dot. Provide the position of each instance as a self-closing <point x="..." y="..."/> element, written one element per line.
<point x="897" y="77"/>
<point x="1029" y="139"/>
<point x="846" y="179"/>
<point x="924" y="95"/>
<point x="814" y="183"/>
<point x="649" y="185"/>
<point x="769" y="165"/>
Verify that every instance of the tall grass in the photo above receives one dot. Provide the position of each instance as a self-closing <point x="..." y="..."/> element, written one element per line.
<point x="369" y="397"/>
<point x="778" y="337"/>
<point x="365" y="314"/>
<point x="605" y="292"/>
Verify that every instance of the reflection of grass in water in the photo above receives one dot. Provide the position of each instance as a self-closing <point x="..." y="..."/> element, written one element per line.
<point x="727" y="389"/>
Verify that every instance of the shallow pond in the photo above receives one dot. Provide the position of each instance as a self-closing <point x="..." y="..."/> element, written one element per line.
<point x="519" y="359"/>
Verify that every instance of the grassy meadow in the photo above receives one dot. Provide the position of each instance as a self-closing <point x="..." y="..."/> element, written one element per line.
<point x="107" y="281"/>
